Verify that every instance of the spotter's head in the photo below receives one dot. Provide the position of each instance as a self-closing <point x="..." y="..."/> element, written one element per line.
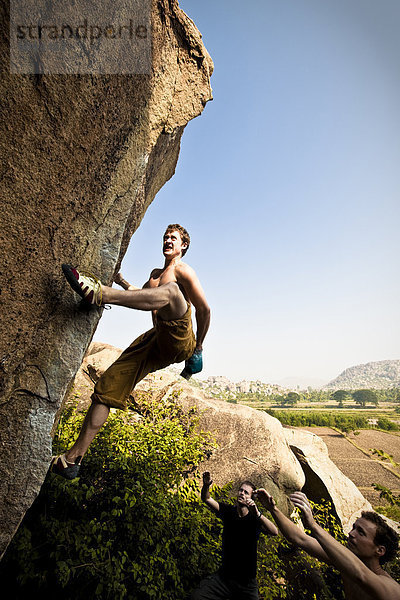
<point x="372" y="536"/>
<point x="245" y="492"/>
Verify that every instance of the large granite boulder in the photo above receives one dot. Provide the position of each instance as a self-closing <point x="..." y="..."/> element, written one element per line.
<point x="82" y="158"/>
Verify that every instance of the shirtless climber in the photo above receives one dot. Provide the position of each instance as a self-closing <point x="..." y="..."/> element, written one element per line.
<point x="168" y="293"/>
<point x="370" y="544"/>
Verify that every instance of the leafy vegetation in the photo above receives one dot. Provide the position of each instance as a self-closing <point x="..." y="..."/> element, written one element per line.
<point x="321" y="419"/>
<point x="390" y="509"/>
<point x="341" y="396"/>
<point x="133" y="527"/>
<point x="126" y="528"/>
<point x="387" y="494"/>
<point x="290" y="399"/>
<point x="387" y="424"/>
<point x="285" y="572"/>
<point x="384" y="456"/>
<point x="364" y="397"/>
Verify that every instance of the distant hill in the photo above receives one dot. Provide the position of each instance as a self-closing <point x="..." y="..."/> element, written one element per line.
<point x="382" y="375"/>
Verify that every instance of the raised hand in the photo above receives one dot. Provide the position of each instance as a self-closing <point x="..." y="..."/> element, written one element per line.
<point x="252" y="506"/>
<point x="119" y="280"/>
<point x="207" y="478"/>
<point x="266" y="499"/>
<point x="300" y="500"/>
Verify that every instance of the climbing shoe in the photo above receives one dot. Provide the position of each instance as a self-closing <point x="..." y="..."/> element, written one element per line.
<point x="60" y="466"/>
<point x="85" y="284"/>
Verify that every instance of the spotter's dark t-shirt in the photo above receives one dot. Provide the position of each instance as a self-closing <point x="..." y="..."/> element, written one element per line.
<point x="239" y="544"/>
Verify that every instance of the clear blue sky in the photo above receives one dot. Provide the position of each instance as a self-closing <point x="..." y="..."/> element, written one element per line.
<point x="289" y="186"/>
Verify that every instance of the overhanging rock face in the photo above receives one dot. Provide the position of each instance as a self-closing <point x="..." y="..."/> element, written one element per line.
<point x="82" y="159"/>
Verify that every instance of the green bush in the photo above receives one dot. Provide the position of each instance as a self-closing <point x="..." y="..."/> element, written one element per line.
<point x="126" y="528"/>
<point x="387" y="424"/>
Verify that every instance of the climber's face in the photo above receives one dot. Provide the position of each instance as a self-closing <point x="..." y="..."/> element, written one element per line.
<point x="173" y="244"/>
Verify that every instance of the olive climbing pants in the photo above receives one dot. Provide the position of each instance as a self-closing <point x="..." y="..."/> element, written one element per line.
<point x="166" y="343"/>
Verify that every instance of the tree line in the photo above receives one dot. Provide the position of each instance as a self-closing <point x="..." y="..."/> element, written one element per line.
<point x="344" y="422"/>
<point x="361" y="397"/>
